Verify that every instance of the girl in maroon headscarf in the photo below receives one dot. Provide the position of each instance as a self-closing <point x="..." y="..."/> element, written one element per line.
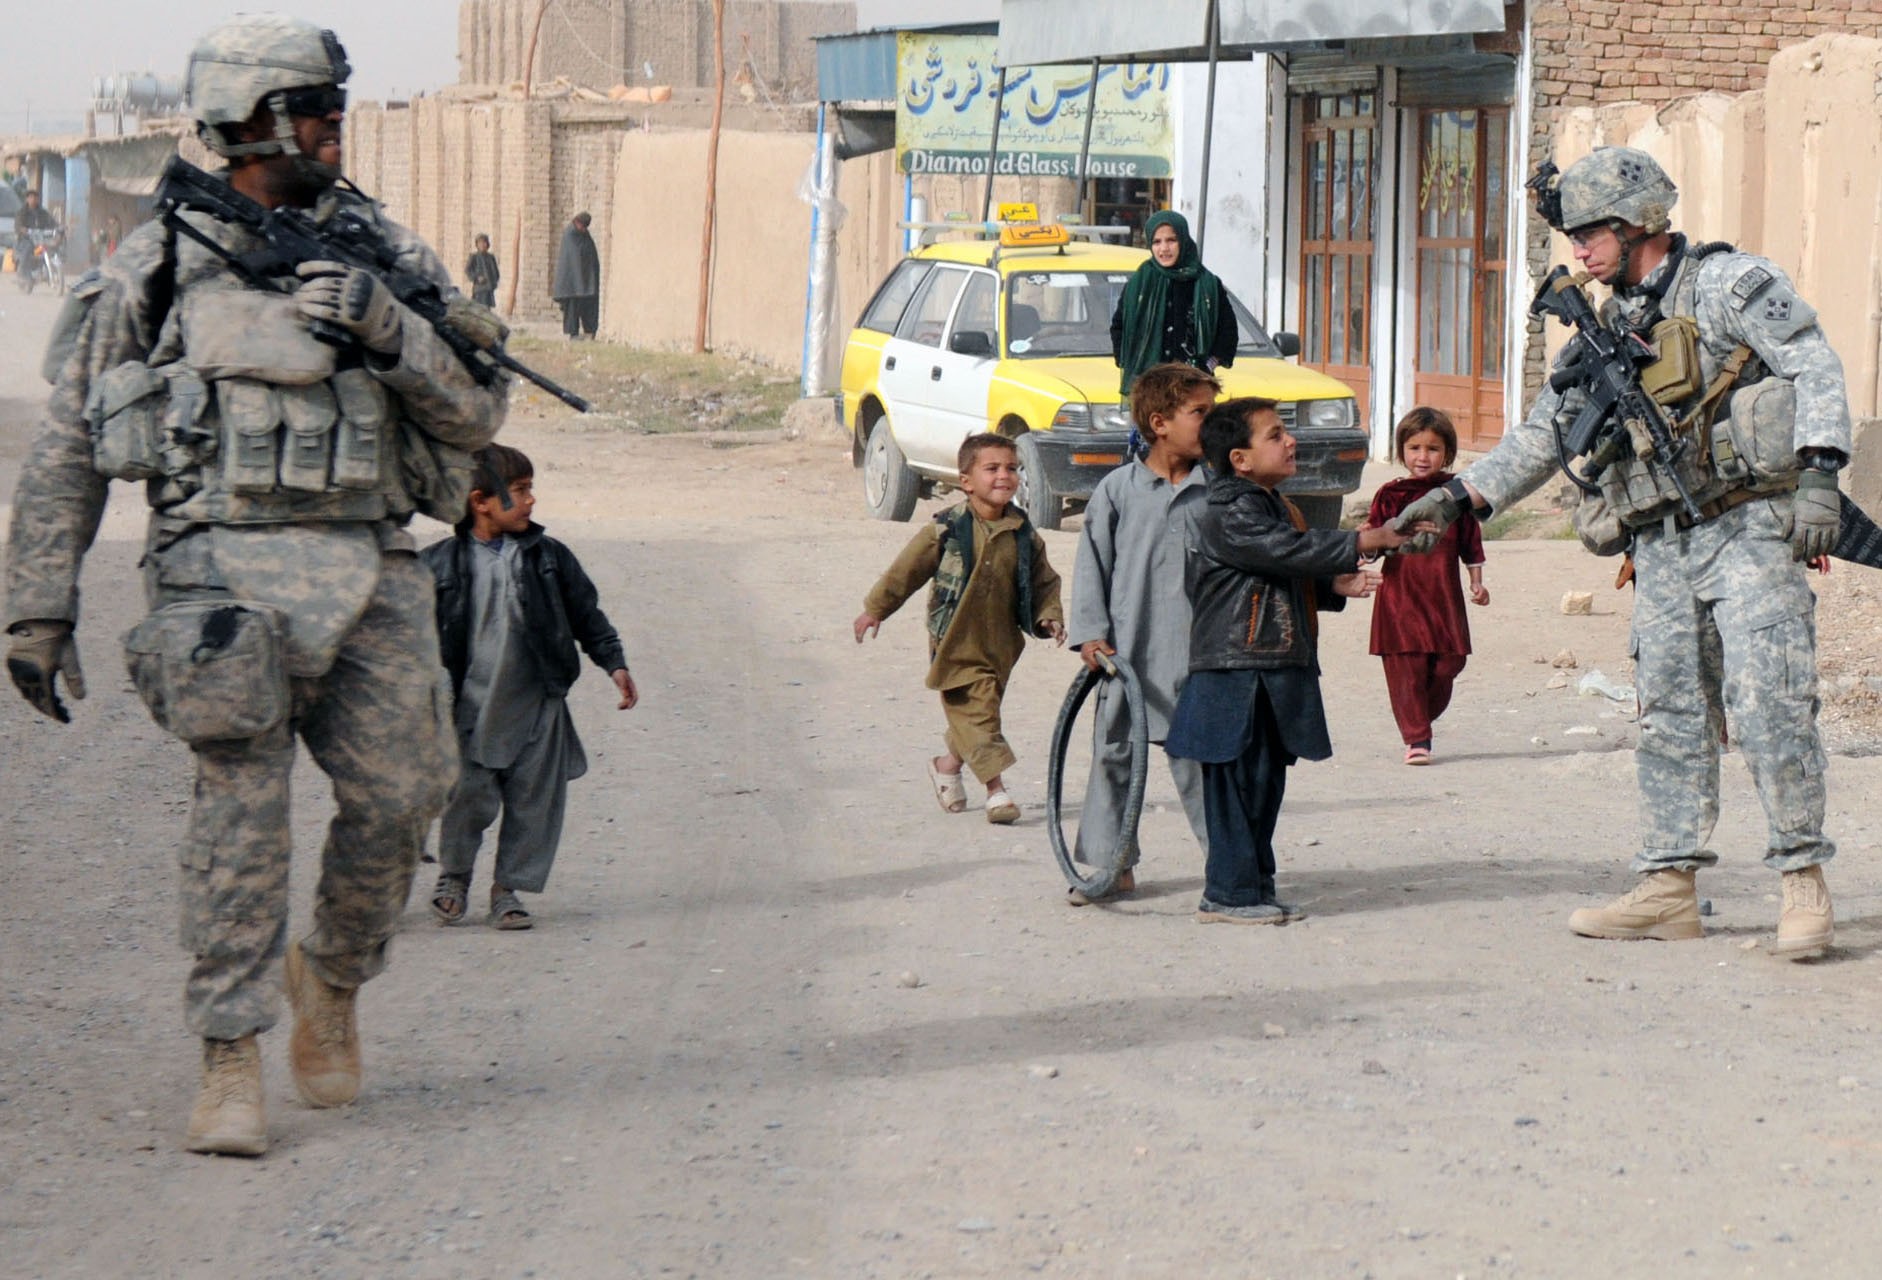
<point x="1418" y="626"/>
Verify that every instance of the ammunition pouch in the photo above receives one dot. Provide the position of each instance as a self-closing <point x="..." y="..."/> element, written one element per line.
<point x="211" y="670"/>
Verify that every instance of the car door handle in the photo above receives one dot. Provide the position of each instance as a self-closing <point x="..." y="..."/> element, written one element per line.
<point x="934" y="374"/>
<point x="888" y="364"/>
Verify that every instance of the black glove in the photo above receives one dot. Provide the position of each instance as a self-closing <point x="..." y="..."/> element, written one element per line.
<point x="1816" y="514"/>
<point x="1441" y="507"/>
<point x="40" y="650"/>
<point x="353" y="299"/>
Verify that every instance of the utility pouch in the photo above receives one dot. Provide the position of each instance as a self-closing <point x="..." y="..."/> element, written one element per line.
<point x="308" y="415"/>
<point x="210" y="670"/>
<point x="436" y="476"/>
<point x="1675" y="377"/>
<point x="359" y="441"/>
<point x="251" y="444"/>
<point x="1755" y="445"/>
<point x="1599" y="529"/>
<point x="125" y="413"/>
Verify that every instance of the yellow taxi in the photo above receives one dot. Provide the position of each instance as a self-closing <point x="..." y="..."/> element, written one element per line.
<point x="1013" y="334"/>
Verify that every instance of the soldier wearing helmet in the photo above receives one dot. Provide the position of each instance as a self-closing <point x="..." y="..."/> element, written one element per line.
<point x="1724" y="629"/>
<point x="286" y="600"/>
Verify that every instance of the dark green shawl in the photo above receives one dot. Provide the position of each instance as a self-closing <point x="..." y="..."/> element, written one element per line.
<point x="1147" y="295"/>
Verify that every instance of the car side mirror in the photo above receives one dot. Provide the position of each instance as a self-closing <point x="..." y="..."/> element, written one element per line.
<point x="970" y="342"/>
<point x="1289" y="343"/>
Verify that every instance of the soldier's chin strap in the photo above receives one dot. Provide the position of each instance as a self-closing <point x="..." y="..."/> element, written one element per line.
<point x="282" y="143"/>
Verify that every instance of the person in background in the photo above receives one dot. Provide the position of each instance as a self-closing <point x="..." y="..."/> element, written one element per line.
<point x="481" y="271"/>
<point x="577" y="284"/>
<point x="1172" y="310"/>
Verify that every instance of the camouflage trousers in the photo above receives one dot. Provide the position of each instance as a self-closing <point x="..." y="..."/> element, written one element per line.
<point x="1724" y="634"/>
<point x="377" y="723"/>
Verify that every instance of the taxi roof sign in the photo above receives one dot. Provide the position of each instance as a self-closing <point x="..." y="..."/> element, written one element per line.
<point x="1019" y="211"/>
<point x="1034" y="235"/>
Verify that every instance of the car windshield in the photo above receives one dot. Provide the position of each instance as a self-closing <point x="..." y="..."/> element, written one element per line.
<point x="1068" y="313"/>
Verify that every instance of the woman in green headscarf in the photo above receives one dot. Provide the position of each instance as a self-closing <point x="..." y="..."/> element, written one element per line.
<point x="1172" y="309"/>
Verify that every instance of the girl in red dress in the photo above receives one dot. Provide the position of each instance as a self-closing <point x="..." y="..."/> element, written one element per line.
<point x="1418" y="626"/>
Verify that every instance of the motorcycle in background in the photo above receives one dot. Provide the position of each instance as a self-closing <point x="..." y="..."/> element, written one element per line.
<point x="42" y="262"/>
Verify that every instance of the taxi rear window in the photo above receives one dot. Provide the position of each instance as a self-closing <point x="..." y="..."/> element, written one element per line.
<point x="885" y="309"/>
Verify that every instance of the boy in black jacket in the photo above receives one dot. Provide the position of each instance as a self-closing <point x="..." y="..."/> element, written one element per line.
<point x="512" y="605"/>
<point x="1257" y="576"/>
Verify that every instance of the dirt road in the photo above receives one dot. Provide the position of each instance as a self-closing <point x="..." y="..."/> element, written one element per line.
<point x="707" y="1060"/>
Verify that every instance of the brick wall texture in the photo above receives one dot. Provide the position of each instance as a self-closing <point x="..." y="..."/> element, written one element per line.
<point x="600" y="43"/>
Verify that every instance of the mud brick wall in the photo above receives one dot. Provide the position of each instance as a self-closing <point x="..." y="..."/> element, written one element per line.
<point x="600" y="43"/>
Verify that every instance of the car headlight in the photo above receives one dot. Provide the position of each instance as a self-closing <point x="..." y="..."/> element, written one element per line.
<point x="1327" y="413"/>
<point x="1072" y="417"/>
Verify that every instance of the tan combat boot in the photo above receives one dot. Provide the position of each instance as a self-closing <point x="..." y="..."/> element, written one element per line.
<point x="1806" y="926"/>
<point x="323" y="1052"/>
<point x="228" y="1118"/>
<point x="1662" y="906"/>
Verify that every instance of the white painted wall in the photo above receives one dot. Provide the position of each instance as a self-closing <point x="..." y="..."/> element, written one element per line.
<point x="1235" y="234"/>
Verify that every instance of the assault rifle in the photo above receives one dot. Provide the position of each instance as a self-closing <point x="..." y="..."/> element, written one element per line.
<point x="1619" y="417"/>
<point x="353" y="237"/>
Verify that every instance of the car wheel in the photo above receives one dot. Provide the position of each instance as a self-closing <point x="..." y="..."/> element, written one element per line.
<point x="889" y="487"/>
<point x="1037" y="498"/>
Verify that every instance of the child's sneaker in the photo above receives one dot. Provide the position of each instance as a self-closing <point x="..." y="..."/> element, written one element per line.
<point x="1208" y="912"/>
<point x="1001" y="809"/>
<point x="1418" y="753"/>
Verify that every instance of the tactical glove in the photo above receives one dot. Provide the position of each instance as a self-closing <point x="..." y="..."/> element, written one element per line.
<point x="41" y="650"/>
<point x="1441" y="506"/>
<point x="1816" y="515"/>
<point x="355" y="300"/>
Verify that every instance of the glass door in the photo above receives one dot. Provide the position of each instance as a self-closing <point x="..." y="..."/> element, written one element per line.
<point x="1462" y="201"/>
<point x="1339" y="154"/>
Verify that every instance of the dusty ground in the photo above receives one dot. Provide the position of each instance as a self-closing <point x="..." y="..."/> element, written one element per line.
<point x="706" y="1061"/>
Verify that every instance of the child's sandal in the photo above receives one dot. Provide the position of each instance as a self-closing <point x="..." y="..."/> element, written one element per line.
<point x="450" y="898"/>
<point x="949" y="793"/>
<point x="1417" y="755"/>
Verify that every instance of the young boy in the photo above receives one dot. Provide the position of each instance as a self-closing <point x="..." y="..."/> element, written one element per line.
<point x="512" y="605"/>
<point x="1128" y="598"/>
<point x="1251" y="707"/>
<point x="992" y="585"/>
<point x="482" y="272"/>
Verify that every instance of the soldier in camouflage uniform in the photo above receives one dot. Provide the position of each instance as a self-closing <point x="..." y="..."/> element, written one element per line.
<point x="1724" y="621"/>
<point x="285" y="593"/>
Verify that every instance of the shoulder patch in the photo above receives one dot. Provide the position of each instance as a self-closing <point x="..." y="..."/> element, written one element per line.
<point x="1749" y="285"/>
<point x="1777" y="308"/>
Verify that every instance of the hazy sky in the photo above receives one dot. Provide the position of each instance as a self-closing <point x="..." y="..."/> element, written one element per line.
<point x="395" y="46"/>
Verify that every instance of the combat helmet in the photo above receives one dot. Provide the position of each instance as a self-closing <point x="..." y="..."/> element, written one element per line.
<point x="250" y="61"/>
<point x="1616" y="184"/>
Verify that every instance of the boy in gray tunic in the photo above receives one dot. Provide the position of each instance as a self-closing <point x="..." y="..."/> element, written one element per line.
<point x="512" y="605"/>
<point x="1128" y="599"/>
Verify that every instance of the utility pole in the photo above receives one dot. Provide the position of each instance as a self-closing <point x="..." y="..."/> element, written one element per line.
<point x="712" y="175"/>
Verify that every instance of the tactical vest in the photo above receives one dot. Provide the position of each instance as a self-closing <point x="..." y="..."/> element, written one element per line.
<point x="1734" y="417"/>
<point x="241" y="416"/>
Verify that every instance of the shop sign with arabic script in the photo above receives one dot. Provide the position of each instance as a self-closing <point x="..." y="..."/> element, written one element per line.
<point x="944" y="106"/>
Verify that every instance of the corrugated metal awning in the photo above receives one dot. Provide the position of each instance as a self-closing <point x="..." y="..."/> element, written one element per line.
<point x="131" y="165"/>
<point x="1040" y="32"/>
